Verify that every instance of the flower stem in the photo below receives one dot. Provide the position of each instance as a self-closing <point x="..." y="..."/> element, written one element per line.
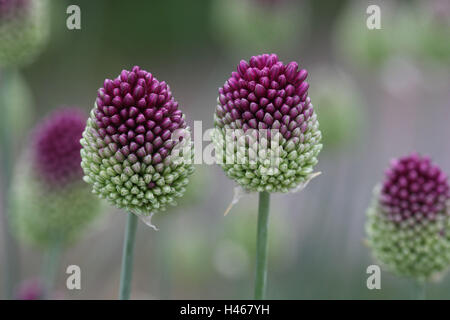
<point x="261" y="245"/>
<point x="51" y="264"/>
<point x="420" y="290"/>
<point x="12" y="266"/>
<point x="127" y="257"/>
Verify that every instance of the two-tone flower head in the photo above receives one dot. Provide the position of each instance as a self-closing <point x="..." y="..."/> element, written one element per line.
<point x="266" y="135"/>
<point x="408" y="225"/>
<point x="129" y="144"/>
<point x="50" y="200"/>
<point x="24" y="29"/>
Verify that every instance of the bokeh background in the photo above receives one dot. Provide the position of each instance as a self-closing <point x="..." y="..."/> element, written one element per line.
<point x="379" y="94"/>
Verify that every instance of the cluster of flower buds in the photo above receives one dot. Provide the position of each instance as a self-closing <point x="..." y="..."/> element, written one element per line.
<point x="267" y="103"/>
<point x="129" y="142"/>
<point x="409" y="220"/>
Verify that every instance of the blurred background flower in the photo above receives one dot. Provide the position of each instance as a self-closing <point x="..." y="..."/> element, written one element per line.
<point x="19" y="109"/>
<point x="24" y="29"/>
<point x="340" y="108"/>
<point x="30" y="289"/>
<point x="424" y="40"/>
<point x="255" y="26"/>
<point x="408" y="220"/>
<point x="51" y="203"/>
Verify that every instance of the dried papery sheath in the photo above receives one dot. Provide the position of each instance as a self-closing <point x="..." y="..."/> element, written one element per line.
<point x="408" y="225"/>
<point x="266" y="135"/>
<point x="136" y="146"/>
<point x="51" y="203"/>
<point x="24" y="30"/>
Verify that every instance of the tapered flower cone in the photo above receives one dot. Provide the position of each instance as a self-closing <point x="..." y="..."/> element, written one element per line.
<point x="128" y="146"/>
<point x="408" y="222"/>
<point x="24" y="30"/>
<point x="51" y="203"/>
<point x="267" y="102"/>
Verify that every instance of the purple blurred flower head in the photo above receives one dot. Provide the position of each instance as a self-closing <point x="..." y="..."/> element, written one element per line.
<point x="56" y="147"/>
<point x="264" y="93"/>
<point x="138" y="114"/>
<point x="9" y="8"/>
<point x="31" y="289"/>
<point x="414" y="188"/>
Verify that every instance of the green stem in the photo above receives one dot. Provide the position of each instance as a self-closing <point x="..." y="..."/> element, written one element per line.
<point x="12" y="266"/>
<point x="127" y="257"/>
<point x="165" y="259"/>
<point x="420" y="290"/>
<point x="261" y="245"/>
<point x="51" y="265"/>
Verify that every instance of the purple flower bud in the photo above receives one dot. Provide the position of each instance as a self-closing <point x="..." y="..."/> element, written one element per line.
<point x="287" y="93"/>
<point x="56" y="146"/>
<point x="412" y="186"/>
<point x="145" y="118"/>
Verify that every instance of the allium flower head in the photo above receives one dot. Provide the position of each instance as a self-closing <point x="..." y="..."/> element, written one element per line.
<point x="265" y="94"/>
<point x="50" y="200"/>
<point x="24" y="29"/>
<point x="128" y="144"/>
<point x="409" y="220"/>
<point x="11" y="8"/>
<point x="31" y="289"/>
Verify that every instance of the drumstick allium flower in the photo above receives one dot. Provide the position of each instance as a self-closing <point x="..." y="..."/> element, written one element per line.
<point x="24" y="30"/>
<point x="266" y="102"/>
<point x="128" y="149"/>
<point x="408" y="224"/>
<point x="50" y="201"/>
<point x="265" y="94"/>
